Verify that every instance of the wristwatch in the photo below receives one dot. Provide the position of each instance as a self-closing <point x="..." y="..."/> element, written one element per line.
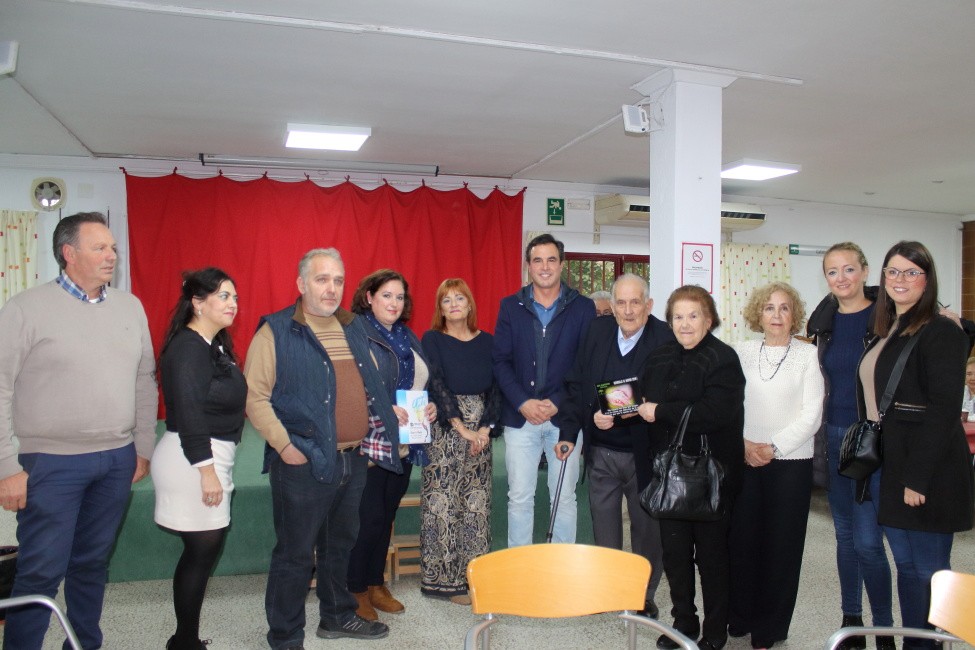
<point x="775" y="451"/>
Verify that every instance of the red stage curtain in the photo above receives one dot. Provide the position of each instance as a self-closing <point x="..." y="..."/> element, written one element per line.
<point x="258" y="230"/>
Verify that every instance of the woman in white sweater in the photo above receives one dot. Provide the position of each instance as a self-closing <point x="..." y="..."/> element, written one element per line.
<point x="784" y="393"/>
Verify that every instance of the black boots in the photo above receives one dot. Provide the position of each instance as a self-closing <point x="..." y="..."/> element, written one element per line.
<point x="196" y="644"/>
<point x="854" y="642"/>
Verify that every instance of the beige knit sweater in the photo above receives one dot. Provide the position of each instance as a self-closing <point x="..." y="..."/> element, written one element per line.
<point x="75" y="377"/>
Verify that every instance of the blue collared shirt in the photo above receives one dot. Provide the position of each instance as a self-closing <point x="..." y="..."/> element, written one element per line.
<point x="65" y="282"/>
<point x="627" y="344"/>
<point x="545" y="314"/>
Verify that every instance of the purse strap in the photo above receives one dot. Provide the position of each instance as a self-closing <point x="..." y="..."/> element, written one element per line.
<point x="678" y="440"/>
<point x="895" y="377"/>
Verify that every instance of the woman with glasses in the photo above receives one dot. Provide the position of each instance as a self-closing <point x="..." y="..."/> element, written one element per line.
<point x="840" y="327"/>
<point x="926" y="488"/>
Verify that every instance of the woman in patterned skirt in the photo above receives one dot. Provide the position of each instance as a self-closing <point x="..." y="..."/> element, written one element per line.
<point x="455" y="497"/>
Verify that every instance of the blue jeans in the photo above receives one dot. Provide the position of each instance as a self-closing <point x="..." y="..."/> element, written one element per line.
<point x="74" y="507"/>
<point x="860" y="555"/>
<point x="522" y="451"/>
<point x="917" y="555"/>
<point x="309" y="518"/>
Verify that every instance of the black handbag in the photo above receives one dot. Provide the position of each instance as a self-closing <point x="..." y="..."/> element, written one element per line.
<point x="684" y="486"/>
<point x="861" y="452"/>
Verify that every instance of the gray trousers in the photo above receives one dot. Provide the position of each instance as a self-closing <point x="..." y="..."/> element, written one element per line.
<point x="612" y="477"/>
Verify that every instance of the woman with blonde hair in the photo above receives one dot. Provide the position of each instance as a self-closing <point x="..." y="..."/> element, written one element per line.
<point x="783" y="409"/>
<point x="840" y="327"/>
<point x="455" y="496"/>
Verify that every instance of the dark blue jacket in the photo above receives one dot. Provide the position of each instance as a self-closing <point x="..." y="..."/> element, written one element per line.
<point x="590" y="369"/>
<point x="531" y="362"/>
<point x="304" y="390"/>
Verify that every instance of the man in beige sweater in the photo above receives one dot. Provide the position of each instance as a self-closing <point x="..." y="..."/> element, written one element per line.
<point x="77" y="391"/>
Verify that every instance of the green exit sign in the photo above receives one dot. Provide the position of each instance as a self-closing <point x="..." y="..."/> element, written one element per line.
<point x="556" y="212"/>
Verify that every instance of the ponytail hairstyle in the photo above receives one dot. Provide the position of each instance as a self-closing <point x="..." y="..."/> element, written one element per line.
<point x="198" y="284"/>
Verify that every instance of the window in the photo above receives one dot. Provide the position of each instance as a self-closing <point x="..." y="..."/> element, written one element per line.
<point x="588" y="272"/>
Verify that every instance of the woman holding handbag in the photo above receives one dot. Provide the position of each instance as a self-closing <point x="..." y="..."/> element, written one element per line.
<point x="926" y="488"/>
<point x="700" y="371"/>
<point x="783" y="409"/>
<point x="840" y="328"/>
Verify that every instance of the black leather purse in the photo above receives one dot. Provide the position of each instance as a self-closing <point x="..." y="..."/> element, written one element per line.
<point x="861" y="452"/>
<point x="684" y="486"/>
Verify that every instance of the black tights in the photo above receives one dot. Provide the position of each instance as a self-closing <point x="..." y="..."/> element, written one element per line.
<point x="200" y="551"/>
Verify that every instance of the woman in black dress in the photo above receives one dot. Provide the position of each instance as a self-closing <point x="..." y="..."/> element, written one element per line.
<point x="703" y="372"/>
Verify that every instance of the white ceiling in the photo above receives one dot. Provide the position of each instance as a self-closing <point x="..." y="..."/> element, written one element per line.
<point x="884" y="116"/>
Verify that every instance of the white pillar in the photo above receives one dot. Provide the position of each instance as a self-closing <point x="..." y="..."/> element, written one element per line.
<point x="685" y="180"/>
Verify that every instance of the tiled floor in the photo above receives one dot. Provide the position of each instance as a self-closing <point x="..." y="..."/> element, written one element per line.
<point x="139" y="615"/>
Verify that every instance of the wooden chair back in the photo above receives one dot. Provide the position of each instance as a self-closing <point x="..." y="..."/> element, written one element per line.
<point x="557" y="581"/>
<point x="953" y="604"/>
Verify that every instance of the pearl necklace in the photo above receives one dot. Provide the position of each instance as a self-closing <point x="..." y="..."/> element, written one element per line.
<point x="776" y="364"/>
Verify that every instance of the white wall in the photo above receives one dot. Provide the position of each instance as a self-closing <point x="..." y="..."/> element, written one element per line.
<point x="91" y="186"/>
<point x="874" y="230"/>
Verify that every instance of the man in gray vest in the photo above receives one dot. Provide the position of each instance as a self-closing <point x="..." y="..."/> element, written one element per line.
<point x="316" y="397"/>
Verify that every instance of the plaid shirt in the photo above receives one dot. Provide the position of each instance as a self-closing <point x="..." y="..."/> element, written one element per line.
<point x="375" y="445"/>
<point x="65" y="282"/>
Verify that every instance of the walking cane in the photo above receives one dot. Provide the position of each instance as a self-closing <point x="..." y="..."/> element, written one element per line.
<point x="564" y="448"/>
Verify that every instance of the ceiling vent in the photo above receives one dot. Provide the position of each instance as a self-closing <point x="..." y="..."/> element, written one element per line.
<point x="628" y="210"/>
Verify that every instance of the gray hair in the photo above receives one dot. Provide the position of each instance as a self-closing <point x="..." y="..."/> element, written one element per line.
<point x="601" y="295"/>
<point x="66" y="232"/>
<point x="316" y="252"/>
<point x="632" y="276"/>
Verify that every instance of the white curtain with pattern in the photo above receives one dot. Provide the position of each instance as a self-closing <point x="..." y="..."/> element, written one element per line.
<point x="744" y="268"/>
<point x="18" y="252"/>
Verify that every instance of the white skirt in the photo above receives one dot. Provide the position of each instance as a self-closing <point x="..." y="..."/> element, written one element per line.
<point x="179" y="495"/>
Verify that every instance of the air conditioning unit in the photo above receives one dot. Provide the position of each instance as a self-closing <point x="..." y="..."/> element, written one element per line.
<point x="628" y="210"/>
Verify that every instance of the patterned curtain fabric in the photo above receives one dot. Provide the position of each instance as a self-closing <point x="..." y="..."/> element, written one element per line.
<point x="745" y="267"/>
<point x="258" y="230"/>
<point x="18" y="252"/>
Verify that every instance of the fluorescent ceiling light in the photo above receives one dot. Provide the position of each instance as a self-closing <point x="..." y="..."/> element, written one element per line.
<point x="318" y="165"/>
<point x="318" y="136"/>
<point x="747" y="169"/>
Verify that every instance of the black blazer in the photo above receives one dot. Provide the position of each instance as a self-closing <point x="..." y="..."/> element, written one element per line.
<point x="709" y="376"/>
<point x="923" y="440"/>
<point x="590" y="368"/>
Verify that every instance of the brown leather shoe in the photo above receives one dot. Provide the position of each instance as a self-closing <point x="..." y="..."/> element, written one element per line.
<point x="461" y="599"/>
<point x="365" y="609"/>
<point x="382" y="600"/>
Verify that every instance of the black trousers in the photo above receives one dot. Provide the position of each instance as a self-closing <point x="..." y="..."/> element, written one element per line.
<point x="377" y="510"/>
<point x="705" y="544"/>
<point x="768" y="533"/>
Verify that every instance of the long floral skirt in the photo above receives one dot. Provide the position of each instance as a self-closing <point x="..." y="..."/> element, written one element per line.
<point x="455" y="505"/>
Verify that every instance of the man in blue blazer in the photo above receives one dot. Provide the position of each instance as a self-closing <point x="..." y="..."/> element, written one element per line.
<point x="535" y="341"/>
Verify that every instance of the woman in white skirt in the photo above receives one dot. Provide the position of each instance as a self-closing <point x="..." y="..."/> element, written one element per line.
<point x="204" y="392"/>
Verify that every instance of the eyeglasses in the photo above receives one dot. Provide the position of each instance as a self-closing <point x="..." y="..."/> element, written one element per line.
<point x="910" y="275"/>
